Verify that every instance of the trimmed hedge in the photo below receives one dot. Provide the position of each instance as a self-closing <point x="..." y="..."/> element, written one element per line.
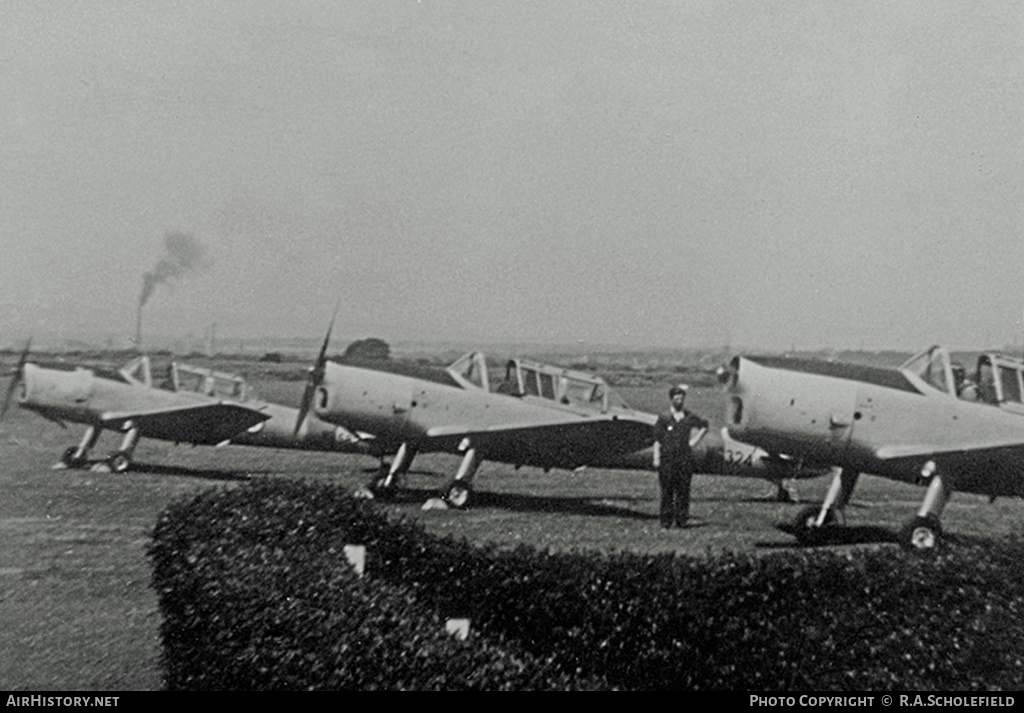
<point x="256" y="594"/>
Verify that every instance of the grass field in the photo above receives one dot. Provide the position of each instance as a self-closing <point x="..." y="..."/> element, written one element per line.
<point x="77" y="611"/>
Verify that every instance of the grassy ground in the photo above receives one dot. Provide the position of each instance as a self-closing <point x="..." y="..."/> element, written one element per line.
<point x="78" y="614"/>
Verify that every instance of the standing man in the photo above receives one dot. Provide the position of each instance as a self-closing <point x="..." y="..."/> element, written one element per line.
<point x="675" y="434"/>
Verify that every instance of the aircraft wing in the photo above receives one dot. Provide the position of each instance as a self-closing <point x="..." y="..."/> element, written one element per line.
<point x="907" y="451"/>
<point x="565" y="444"/>
<point x="894" y="452"/>
<point x="992" y="469"/>
<point x="202" y="424"/>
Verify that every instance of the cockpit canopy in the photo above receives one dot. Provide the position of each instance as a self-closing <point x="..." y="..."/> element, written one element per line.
<point x="996" y="379"/>
<point x="187" y="378"/>
<point x="526" y="378"/>
<point x="207" y="381"/>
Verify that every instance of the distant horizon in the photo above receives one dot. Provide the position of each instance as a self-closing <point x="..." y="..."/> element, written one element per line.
<point x="298" y="347"/>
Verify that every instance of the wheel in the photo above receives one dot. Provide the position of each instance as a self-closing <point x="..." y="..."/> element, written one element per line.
<point x="69" y="458"/>
<point x="380" y="489"/>
<point x="119" y="461"/>
<point x="783" y="494"/>
<point x="806" y="527"/>
<point x="921" y="533"/>
<point x="457" y="494"/>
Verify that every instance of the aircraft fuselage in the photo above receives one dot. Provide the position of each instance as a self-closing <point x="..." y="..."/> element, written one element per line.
<point x="879" y="421"/>
<point x="82" y="396"/>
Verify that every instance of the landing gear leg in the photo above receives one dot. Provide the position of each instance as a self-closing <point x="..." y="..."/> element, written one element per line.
<point x="121" y="459"/>
<point x="75" y="456"/>
<point x="458" y="492"/>
<point x="809" y="523"/>
<point x="384" y="485"/>
<point x="784" y="493"/>
<point x="924" y="531"/>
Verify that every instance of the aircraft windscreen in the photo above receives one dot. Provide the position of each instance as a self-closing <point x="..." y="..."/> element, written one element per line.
<point x="616" y="401"/>
<point x="932" y="366"/>
<point x="472" y="369"/>
<point x="138" y="370"/>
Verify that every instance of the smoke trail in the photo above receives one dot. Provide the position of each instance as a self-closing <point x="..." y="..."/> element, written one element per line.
<point x="182" y="253"/>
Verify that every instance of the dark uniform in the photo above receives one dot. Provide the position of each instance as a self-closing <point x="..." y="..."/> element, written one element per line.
<point x="675" y="469"/>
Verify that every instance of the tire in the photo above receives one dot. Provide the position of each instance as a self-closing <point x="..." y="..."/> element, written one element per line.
<point x="119" y="462"/>
<point x="458" y="494"/>
<point x="921" y="534"/>
<point x="69" y="459"/>
<point x="381" y="491"/>
<point x="782" y="493"/>
<point x="804" y="527"/>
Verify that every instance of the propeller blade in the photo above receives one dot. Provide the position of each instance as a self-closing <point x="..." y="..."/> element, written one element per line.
<point x="316" y="376"/>
<point x="307" y="399"/>
<point x="19" y="372"/>
<point x="323" y="347"/>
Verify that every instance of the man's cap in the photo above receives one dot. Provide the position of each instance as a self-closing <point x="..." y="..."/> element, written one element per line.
<point x="678" y="389"/>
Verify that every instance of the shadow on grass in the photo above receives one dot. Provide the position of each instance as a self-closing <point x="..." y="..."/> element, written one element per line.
<point x="761" y="500"/>
<point x="203" y="473"/>
<point x="833" y="536"/>
<point x="772" y="499"/>
<point x="866" y="534"/>
<point x="376" y="470"/>
<point x="693" y="524"/>
<point x="516" y="502"/>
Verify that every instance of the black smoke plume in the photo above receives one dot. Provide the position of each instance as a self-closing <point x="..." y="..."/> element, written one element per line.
<point x="182" y="254"/>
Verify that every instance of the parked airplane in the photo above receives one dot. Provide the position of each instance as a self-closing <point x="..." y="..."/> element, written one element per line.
<point x="915" y="423"/>
<point x="539" y="415"/>
<point x="189" y="404"/>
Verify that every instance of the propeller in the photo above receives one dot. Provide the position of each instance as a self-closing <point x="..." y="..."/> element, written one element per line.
<point x="19" y="373"/>
<point x="316" y="377"/>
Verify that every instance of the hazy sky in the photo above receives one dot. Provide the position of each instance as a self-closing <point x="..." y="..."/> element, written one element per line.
<point x="676" y="173"/>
